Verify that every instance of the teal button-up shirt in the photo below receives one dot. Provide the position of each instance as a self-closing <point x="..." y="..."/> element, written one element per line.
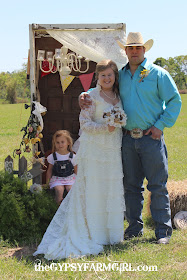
<point x="153" y="101"/>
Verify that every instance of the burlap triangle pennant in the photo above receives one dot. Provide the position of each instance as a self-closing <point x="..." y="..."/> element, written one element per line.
<point x="66" y="81"/>
<point x="86" y="80"/>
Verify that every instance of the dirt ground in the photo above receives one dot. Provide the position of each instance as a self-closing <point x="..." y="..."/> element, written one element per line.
<point x="18" y="252"/>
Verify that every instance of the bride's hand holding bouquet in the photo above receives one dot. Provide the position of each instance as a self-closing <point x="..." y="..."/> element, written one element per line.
<point x="115" y="117"/>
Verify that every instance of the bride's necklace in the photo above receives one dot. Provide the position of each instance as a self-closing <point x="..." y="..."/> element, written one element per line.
<point x="111" y="98"/>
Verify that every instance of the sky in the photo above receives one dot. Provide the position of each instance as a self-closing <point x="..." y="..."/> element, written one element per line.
<point x="164" y="21"/>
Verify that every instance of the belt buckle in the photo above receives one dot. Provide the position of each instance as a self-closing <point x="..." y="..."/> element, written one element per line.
<point x="136" y="133"/>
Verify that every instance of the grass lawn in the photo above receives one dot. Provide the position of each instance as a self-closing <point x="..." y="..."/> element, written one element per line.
<point x="154" y="261"/>
<point x="176" y="141"/>
<point x="13" y="117"/>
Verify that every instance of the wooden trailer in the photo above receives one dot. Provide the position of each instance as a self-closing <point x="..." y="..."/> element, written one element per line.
<point x="58" y="93"/>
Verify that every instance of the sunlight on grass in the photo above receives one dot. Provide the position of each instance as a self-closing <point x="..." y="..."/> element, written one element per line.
<point x="170" y="259"/>
<point x="176" y="141"/>
<point x="13" y="118"/>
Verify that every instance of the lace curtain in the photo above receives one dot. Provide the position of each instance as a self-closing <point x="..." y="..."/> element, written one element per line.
<point x="94" y="44"/>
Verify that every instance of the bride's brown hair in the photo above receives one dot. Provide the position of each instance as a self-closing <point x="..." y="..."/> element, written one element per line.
<point x="105" y="64"/>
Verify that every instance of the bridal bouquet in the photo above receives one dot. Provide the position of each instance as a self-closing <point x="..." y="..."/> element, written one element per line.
<point x="115" y="117"/>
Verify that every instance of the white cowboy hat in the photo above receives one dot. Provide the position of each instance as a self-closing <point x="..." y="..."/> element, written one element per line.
<point x="136" y="39"/>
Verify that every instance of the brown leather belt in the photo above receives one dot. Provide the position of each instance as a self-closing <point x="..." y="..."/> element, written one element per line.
<point x="135" y="133"/>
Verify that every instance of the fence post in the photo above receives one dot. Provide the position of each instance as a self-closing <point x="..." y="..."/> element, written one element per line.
<point x="8" y="164"/>
<point x="22" y="166"/>
<point x="35" y="173"/>
<point x="37" y="179"/>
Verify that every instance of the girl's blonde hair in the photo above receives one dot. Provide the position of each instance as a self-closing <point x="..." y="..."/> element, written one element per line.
<point x="66" y="134"/>
<point x="105" y="64"/>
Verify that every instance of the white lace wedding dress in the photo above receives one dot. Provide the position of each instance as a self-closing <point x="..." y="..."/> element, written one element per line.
<point x="92" y="214"/>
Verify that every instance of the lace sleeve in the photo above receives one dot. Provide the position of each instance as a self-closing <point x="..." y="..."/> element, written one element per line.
<point x="87" y="123"/>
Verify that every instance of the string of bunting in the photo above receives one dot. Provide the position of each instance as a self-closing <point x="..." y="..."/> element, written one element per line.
<point x="85" y="79"/>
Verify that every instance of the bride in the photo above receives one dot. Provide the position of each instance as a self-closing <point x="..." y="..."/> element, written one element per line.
<point x="92" y="214"/>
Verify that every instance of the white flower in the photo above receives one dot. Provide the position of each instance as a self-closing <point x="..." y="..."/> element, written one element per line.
<point x="36" y="188"/>
<point x="115" y="117"/>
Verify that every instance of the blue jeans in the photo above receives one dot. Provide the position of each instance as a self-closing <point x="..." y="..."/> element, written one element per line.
<point x="142" y="158"/>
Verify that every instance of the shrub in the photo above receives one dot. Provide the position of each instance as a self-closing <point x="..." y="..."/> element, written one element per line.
<point x="23" y="215"/>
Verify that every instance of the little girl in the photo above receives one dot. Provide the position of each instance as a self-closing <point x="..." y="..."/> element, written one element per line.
<point x="61" y="170"/>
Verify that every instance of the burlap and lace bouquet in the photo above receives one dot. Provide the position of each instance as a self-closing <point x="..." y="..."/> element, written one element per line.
<point x="115" y="117"/>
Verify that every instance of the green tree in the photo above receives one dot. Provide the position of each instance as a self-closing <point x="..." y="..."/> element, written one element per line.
<point x="162" y="62"/>
<point x="23" y="85"/>
<point x="15" y="84"/>
<point x="4" y="77"/>
<point x="177" y="67"/>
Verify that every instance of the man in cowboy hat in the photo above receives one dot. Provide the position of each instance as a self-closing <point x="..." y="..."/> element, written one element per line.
<point x="152" y="102"/>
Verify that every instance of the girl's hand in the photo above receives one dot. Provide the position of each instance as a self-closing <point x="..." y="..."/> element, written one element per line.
<point x="46" y="186"/>
<point x="111" y="128"/>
